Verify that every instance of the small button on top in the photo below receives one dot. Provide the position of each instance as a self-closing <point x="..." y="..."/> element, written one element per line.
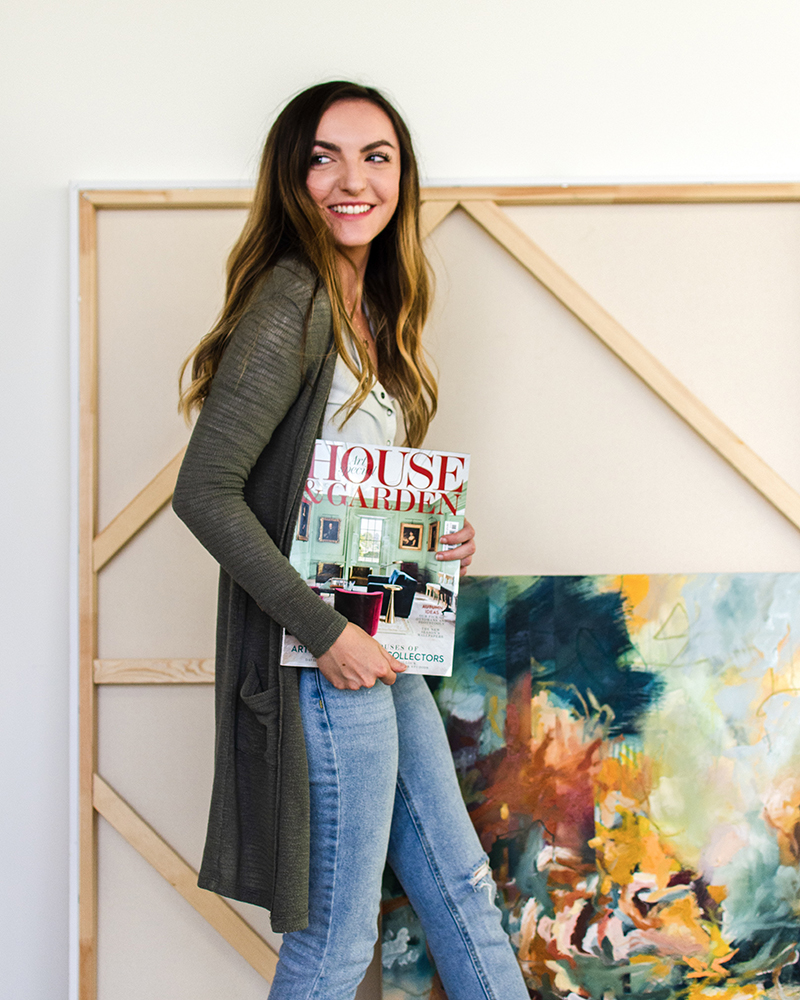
<point x="383" y="395"/>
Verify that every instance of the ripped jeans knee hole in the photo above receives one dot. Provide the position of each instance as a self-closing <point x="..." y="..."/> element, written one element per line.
<point x="481" y="880"/>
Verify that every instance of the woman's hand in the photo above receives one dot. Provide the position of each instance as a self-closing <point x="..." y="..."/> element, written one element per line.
<point x="464" y="541"/>
<point x="357" y="660"/>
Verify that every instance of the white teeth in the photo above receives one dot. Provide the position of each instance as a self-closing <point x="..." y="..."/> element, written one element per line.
<point x="350" y="209"/>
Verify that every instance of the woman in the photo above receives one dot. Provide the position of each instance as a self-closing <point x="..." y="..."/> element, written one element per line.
<point x="321" y="774"/>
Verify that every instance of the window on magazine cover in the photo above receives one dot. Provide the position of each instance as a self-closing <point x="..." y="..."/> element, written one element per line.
<point x="369" y="539"/>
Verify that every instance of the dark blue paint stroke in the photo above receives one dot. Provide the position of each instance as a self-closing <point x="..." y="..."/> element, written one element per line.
<point x="575" y="640"/>
<point x="473" y="619"/>
<point x="570" y="637"/>
<point x="475" y="642"/>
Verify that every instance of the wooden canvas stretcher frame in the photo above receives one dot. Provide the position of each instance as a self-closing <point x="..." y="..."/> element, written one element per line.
<point x="96" y="550"/>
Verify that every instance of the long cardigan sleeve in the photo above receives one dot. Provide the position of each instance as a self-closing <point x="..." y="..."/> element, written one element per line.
<point x="259" y="379"/>
<point x="239" y="491"/>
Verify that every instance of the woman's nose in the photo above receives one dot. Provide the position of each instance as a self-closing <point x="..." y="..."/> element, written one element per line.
<point x="353" y="179"/>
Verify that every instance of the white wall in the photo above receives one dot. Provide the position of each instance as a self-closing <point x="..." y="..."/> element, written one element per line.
<point x="512" y="90"/>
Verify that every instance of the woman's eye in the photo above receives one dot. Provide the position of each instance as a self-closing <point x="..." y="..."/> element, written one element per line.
<point x="378" y="158"/>
<point x="318" y="159"/>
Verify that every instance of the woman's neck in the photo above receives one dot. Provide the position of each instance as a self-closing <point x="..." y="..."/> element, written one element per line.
<point x="352" y="266"/>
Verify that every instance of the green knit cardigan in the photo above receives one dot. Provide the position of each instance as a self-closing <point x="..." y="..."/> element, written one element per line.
<point x="239" y="492"/>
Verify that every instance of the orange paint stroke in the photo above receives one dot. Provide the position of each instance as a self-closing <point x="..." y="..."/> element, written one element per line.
<point x="702" y="970"/>
<point x="634" y="588"/>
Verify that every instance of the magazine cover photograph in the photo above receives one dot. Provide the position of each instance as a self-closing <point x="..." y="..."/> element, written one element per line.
<point x="367" y="535"/>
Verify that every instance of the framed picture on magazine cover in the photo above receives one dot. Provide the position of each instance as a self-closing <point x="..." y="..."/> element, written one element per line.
<point x="302" y="522"/>
<point x="329" y="529"/>
<point x="410" y="537"/>
<point x="433" y="536"/>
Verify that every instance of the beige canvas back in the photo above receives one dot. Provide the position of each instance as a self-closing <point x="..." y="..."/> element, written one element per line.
<point x="622" y="365"/>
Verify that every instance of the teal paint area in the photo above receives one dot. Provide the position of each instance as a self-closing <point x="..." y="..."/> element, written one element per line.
<point x="628" y="748"/>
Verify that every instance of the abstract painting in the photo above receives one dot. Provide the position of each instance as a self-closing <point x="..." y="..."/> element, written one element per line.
<point x="629" y="751"/>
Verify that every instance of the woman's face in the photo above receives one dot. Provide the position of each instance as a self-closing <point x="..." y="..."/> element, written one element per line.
<point x="354" y="174"/>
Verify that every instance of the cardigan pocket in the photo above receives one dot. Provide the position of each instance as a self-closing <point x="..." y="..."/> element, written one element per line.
<point x="258" y="725"/>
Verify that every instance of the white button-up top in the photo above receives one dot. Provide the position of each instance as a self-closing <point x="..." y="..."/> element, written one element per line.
<point x="373" y="423"/>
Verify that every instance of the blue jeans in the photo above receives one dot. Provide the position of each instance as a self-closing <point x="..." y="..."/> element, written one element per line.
<point x="383" y="786"/>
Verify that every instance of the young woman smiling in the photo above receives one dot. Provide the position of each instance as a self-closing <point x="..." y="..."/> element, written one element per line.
<point x="322" y="774"/>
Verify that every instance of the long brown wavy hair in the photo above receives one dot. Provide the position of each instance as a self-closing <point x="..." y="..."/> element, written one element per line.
<point x="284" y="219"/>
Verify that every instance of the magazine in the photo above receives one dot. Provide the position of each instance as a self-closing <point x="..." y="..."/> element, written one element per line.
<point x="369" y="528"/>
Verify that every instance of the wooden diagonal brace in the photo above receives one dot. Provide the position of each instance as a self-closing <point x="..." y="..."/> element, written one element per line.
<point x="431" y="213"/>
<point x="157" y="852"/>
<point x="135" y="516"/>
<point x="641" y="362"/>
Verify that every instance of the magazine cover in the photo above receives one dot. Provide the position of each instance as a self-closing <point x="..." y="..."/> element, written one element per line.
<point x="370" y="525"/>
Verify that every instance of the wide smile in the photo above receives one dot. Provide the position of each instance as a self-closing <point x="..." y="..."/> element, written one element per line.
<point x="359" y="210"/>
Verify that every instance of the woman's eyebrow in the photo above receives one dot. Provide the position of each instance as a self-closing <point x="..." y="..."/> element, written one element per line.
<point x="333" y="148"/>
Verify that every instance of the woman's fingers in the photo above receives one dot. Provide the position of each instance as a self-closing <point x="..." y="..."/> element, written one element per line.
<point x="464" y="534"/>
<point x="357" y="660"/>
<point x="393" y="667"/>
<point x="464" y="546"/>
<point x="465" y="551"/>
